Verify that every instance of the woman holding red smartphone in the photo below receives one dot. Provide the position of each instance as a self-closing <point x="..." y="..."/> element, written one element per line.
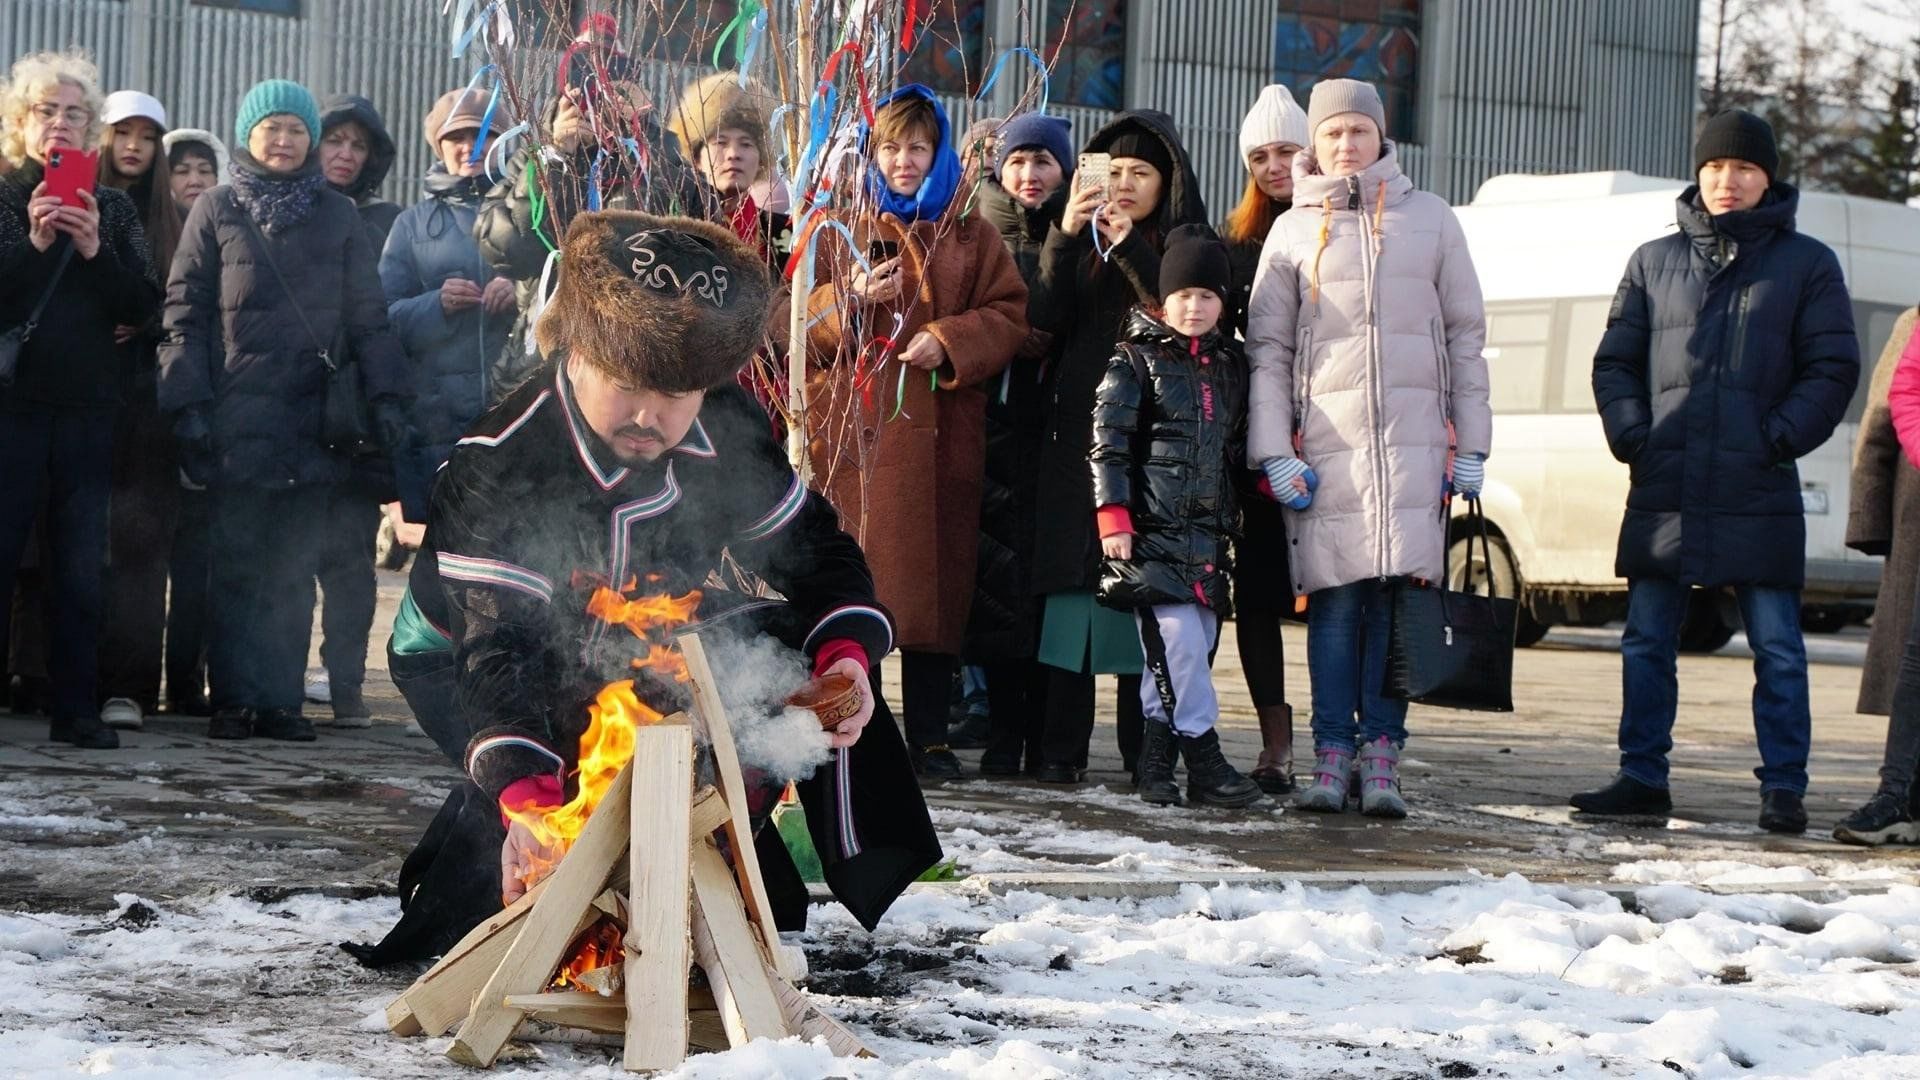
<point x="73" y="266"/>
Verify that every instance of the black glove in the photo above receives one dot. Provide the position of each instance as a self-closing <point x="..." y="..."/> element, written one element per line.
<point x="391" y="426"/>
<point x="195" y="441"/>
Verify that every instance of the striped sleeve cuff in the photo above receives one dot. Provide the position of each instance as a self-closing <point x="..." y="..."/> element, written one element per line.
<point x="780" y="516"/>
<point x="498" y="757"/>
<point x="869" y="625"/>
<point x="495" y="573"/>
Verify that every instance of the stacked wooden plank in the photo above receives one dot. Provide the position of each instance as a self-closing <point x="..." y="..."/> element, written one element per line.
<point x="649" y="859"/>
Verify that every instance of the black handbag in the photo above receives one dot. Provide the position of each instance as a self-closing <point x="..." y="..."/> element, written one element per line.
<point x="346" y="418"/>
<point x="1453" y="650"/>
<point x="14" y="342"/>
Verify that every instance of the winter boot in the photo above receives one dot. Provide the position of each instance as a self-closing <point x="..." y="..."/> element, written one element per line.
<point x="123" y="713"/>
<point x="286" y="725"/>
<point x="349" y="708"/>
<point x="86" y="732"/>
<point x="1274" y="769"/>
<point x="231" y="724"/>
<point x="1884" y="819"/>
<point x="1154" y="780"/>
<point x="1783" y="811"/>
<point x="1328" y="794"/>
<point x="1625" y="797"/>
<point x="1211" y="779"/>
<point x="1380" y="780"/>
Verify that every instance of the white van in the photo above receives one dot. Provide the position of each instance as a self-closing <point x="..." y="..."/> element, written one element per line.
<point x="1550" y="251"/>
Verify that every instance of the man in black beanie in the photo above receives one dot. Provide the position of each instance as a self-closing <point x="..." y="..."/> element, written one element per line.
<point x="1729" y="354"/>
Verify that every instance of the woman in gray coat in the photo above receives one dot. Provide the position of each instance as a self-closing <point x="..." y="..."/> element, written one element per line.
<point x="450" y="310"/>
<point x="1369" y="396"/>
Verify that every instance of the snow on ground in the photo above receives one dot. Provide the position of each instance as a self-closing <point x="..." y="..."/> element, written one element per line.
<point x="1500" y="977"/>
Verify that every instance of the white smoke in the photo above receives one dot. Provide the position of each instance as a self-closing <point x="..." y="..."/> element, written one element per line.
<point x="755" y="678"/>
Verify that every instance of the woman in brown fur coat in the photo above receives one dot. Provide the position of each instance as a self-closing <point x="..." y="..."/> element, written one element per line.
<point x="906" y="350"/>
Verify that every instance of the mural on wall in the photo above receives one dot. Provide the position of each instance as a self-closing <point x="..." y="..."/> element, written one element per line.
<point x="947" y="49"/>
<point x="1087" y="46"/>
<point x="1377" y="41"/>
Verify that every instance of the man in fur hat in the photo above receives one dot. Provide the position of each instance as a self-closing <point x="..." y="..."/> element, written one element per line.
<point x="631" y="455"/>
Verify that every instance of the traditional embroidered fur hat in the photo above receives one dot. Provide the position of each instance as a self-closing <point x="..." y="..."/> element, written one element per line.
<point x="667" y="303"/>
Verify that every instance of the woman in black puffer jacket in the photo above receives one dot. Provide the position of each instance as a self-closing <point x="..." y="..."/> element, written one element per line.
<point x="1082" y="295"/>
<point x="1032" y="166"/>
<point x="271" y="271"/>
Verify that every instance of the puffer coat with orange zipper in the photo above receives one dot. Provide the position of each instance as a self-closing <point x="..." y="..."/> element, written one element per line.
<point x="1365" y="332"/>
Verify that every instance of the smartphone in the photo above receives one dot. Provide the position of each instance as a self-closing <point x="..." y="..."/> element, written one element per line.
<point x="881" y="250"/>
<point x="69" y="172"/>
<point x="1095" y="171"/>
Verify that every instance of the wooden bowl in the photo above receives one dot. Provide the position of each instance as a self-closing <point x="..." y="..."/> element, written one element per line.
<point x="831" y="699"/>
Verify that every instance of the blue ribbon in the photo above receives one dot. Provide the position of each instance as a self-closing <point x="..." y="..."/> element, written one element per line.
<point x="593" y="179"/>
<point x="486" y="121"/>
<point x="1046" y="81"/>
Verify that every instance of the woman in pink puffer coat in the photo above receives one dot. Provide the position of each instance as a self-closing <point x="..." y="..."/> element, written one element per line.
<point x="1369" y="396"/>
<point x="1889" y="815"/>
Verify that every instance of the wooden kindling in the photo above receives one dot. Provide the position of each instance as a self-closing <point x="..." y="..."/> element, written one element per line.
<point x="677" y="903"/>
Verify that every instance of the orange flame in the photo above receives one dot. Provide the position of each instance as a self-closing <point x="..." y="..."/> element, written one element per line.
<point x="607" y="744"/>
<point x="598" y="947"/>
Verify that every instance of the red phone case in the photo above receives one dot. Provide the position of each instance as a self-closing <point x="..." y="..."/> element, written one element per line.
<point x="70" y="172"/>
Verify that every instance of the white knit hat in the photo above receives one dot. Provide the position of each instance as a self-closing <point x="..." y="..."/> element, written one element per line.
<point x="1274" y="118"/>
<point x="127" y="104"/>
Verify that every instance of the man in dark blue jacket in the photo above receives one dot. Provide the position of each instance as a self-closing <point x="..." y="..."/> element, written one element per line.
<point x="1729" y="353"/>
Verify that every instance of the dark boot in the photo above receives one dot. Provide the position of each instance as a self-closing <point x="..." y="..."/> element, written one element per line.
<point x="1211" y="779"/>
<point x="1783" y="811"/>
<point x="286" y="725"/>
<point x="231" y="724"/>
<point x="1274" y="770"/>
<point x="1625" y="797"/>
<point x="87" y="733"/>
<point x="1154" y="781"/>
<point x="935" y="763"/>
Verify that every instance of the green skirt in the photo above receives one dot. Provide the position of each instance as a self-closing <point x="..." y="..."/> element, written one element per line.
<point x="1078" y="634"/>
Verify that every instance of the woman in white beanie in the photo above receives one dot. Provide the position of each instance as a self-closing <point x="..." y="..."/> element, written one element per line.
<point x="144" y="499"/>
<point x="1273" y="132"/>
<point x="1369" y="398"/>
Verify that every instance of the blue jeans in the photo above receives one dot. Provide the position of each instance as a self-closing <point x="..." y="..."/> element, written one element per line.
<point x="1650" y="684"/>
<point x="1347" y="630"/>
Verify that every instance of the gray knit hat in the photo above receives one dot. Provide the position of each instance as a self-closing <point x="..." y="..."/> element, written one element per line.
<point x="1336" y="96"/>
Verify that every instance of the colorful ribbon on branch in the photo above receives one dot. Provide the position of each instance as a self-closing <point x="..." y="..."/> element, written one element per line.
<point x="467" y="26"/>
<point x="1046" y="80"/>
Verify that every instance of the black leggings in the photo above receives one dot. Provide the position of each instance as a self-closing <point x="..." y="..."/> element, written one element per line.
<point x="1069" y="725"/>
<point x="1262" y="657"/>
<point x="926" y="689"/>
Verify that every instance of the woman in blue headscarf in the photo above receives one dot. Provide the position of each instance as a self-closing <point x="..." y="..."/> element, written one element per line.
<point x="912" y="322"/>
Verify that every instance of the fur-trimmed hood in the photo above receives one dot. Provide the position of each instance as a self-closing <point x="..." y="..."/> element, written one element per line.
<point x="222" y="161"/>
<point x="669" y="303"/>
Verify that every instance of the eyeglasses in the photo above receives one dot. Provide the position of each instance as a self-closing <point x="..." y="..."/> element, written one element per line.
<point x="47" y="112"/>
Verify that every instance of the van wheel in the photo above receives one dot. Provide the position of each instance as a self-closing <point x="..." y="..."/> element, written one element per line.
<point x="1705" y="630"/>
<point x="1824" y="620"/>
<point x="1467" y="574"/>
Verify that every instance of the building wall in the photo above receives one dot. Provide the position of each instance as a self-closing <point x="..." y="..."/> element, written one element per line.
<point x="1504" y="85"/>
<point x="199" y="60"/>
<point x="1547" y="86"/>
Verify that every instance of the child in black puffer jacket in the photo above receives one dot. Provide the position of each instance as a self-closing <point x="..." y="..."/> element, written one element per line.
<point x="1169" y="430"/>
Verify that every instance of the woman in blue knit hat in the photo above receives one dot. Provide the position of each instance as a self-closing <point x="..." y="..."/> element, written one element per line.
<point x="274" y="284"/>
